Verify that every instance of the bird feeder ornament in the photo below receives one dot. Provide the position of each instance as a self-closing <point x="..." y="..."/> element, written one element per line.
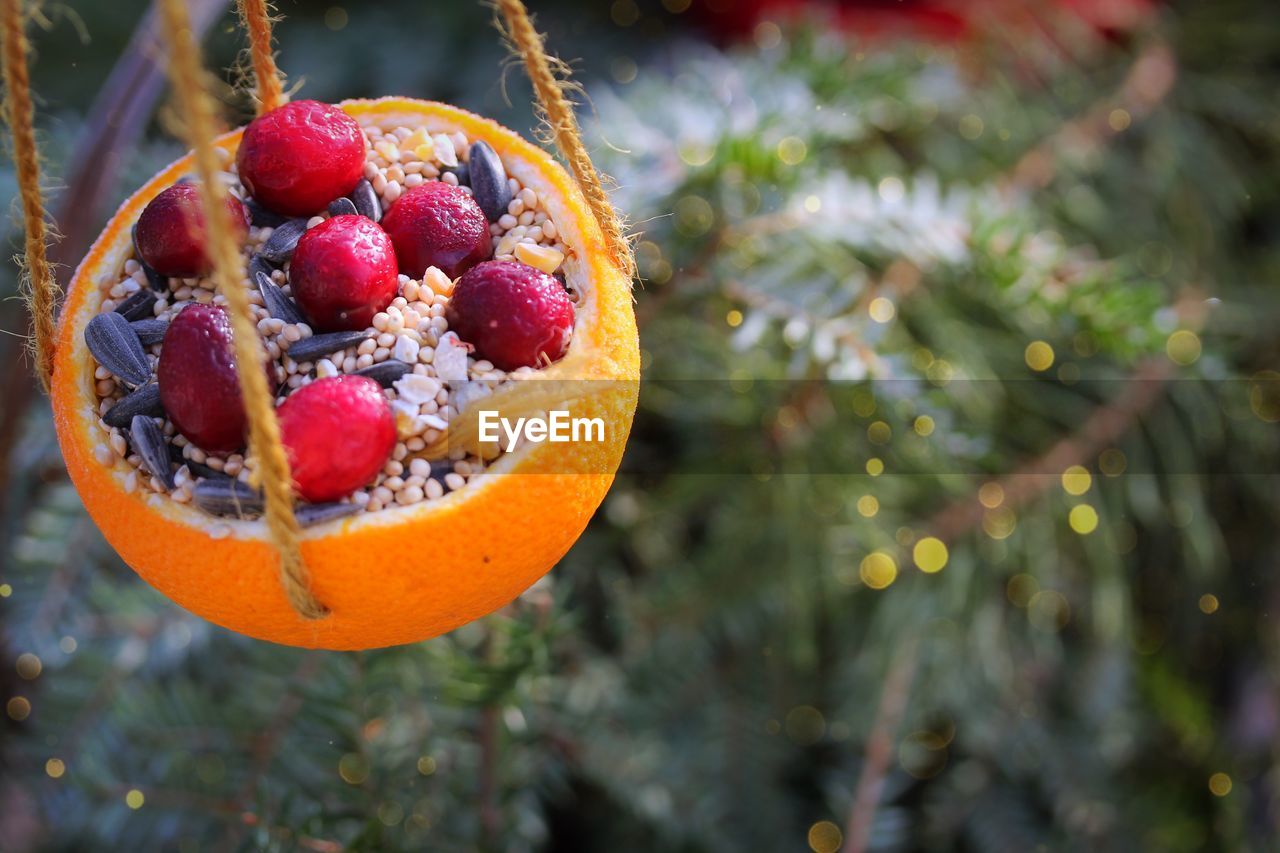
<point x="270" y="374"/>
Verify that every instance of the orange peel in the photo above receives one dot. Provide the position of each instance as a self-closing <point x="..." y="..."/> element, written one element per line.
<point x="401" y="574"/>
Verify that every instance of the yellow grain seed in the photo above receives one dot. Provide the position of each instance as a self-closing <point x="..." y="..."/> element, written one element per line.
<point x="544" y="258"/>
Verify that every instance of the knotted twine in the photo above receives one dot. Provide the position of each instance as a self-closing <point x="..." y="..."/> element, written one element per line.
<point x="41" y="294"/>
<point x="256" y="18"/>
<point x="196" y="109"/>
<point x="558" y="112"/>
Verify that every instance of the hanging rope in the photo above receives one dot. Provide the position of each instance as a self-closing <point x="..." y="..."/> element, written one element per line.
<point x="196" y="109"/>
<point x="257" y="20"/>
<point x="564" y="126"/>
<point x="42" y="293"/>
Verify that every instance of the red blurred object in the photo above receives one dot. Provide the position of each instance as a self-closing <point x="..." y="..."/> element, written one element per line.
<point x="937" y="20"/>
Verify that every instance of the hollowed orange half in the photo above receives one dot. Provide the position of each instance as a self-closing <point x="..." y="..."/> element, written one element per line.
<point x="398" y="575"/>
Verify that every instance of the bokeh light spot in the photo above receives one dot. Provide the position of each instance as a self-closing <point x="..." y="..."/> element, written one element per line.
<point x="1264" y="399"/>
<point x="1183" y="347"/>
<point x="825" y="837"/>
<point x="999" y="523"/>
<point x="892" y="189"/>
<point x="694" y="216"/>
<point x="1112" y="462"/>
<point x="695" y="152"/>
<point x="1039" y="355"/>
<point x="624" y="69"/>
<point x="353" y="768"/>
<point x="930" y="555"/>
<point x="768" y="35"/>
<point x="28" y="666"/>
<point x="991" y="495"/>
<point x="1076" y="480"/>
<point x="805" y="725"/>
<point x="792" y="150"/>
<point x="878" y="570"/>
<point x="881" y="309"/>
<point x="625" y="12"/>
<point x="335" y="18"/>
<point x="1020" y="589"/>
<point x="1083" y="519"/>
<point x="18" y="708"/>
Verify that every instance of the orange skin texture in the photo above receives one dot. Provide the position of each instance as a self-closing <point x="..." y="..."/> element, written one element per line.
<point x="399" y="575"/>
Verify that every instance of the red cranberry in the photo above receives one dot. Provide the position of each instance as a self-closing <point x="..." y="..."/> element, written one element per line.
<point x="197" y="375"/>
<point x="171" y="231"/>
<point x="514" y="315"/>
<point x="437" y="225"/>
<point x="338" y="432"/>
<point x="343" y="272"/>
<point x="301" y="156"/>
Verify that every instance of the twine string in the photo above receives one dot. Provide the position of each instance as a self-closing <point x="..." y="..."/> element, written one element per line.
<point x="558" y="111"/>
<point x="256" y="17"/>
<point x="196" y="109"/>
<point x="41" y="291"/>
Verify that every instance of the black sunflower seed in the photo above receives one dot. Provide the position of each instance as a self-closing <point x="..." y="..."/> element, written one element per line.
<point x="150" y="331"/>
<point x="259" y="264"/>
<point x="385" y="373"/>
<point x="227" y="497"/>
<point x="278" y="305"/>
<point x="144" y="401"/>
<point x="318" y="346"/>
<point x="203" y="471"/>
<point x="138" y="306"/>
<point x="489" y="181"/>
<point x="366" y="200"/>
<point x="309" y="515"/>
<point x="150" y="443"/>
<point x="283" y="240"/>
<point x="262" y="217"/>
<point x="157" y="281"/>
<point x="343" y="207"/>
<point x="463" y="172"/>
<point x="117" y="348"/>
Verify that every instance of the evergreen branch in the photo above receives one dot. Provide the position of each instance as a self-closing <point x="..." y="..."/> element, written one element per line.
<point x="1145" y="87"/>
<point x="879" y="749"/>
<point x="1104" y="427"/>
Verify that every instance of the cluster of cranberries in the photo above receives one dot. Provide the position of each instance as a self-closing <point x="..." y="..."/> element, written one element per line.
<point x="338" y="431"/>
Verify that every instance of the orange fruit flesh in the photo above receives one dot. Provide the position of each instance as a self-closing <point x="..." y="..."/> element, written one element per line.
<point x="401" y="574"/>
